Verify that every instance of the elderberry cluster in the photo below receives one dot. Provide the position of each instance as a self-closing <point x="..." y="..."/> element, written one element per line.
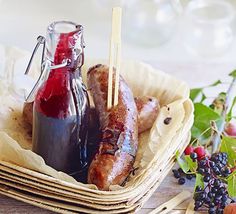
<point x="214" y="195"/>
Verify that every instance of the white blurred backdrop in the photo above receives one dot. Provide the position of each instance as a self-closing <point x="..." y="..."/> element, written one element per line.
<point x="154" y="31"/>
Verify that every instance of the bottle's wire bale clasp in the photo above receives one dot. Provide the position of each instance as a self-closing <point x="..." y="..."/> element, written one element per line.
<point x="45" y="65"/>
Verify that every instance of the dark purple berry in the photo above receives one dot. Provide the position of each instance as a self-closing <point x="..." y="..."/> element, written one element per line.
<point x="181" y="181"/>
<point x="206" y="178"/>
<point x="223" y="205"/>
<point x="224" y="198"/>
<point x="176" y="173"/>
<point x="226" y="171"/>
<point x="212" y="164"/>
<point x="201" y="171"/>
<point x="197" y="204"/>
<point x="219" y="211"/>
<point x="210" y="194"/>
<point x="198" y="189"/>
<point x="202" y="163"/>
<point x="211" y="204"/>
<point x="211" y="210"/>
<point x="180" y="170"/>
<point x="218" y="197"/>
<point x="207" y="200"/>
<point x="193" y="155"/>
<point x="217" y="183"/>
<point x="189" y="176"/>
<point x="214" y="190"/>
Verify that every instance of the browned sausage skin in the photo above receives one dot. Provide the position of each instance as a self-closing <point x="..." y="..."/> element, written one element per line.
<point x="148" y="109"/>
<point x="117" y="149"/>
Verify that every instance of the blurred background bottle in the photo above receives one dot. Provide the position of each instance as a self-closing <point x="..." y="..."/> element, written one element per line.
<point x="208" y="27"/>
<point x="151" y="22"/>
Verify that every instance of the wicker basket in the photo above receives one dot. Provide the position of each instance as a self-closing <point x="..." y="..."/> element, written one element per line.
<point x="25" y="177"/>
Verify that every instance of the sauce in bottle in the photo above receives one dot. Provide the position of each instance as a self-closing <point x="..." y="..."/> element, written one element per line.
<point x="61" y="106"/>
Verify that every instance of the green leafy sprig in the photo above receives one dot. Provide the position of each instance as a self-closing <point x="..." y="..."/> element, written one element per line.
<point x="208" y="130"/>
<point x="219" y="112"/>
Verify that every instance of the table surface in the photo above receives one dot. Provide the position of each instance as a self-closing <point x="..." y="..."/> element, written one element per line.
<point x="171" y="58"/>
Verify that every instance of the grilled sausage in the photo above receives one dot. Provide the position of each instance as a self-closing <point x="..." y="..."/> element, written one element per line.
<point x="116" y="154"/>
<point x="148" y="109"/>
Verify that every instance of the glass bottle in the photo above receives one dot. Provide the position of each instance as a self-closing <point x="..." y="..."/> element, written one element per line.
<point x="61" y="105"/>
<point x="208" y="27"/>
<point x="151" y="22"/>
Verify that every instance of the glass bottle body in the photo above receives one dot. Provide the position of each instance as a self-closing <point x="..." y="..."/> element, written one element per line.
<point x="61" y="106"/>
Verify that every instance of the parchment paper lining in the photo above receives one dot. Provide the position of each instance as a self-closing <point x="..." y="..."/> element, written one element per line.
<point x="156" y="151"/>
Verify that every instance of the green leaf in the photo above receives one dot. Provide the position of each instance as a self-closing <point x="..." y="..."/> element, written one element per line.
<point x="232" y="184"/>
<point x="203" y="117"/>
<point x="228" y="145"/>
<point x="203" y="97"/>
<point x="218" y="82"/>
<point x="194" y="93"/>
<point x="182" y="163"/>
<point x="199" y="181"/>
<point x="233" y="74"/>
<point x="192" y="164"/>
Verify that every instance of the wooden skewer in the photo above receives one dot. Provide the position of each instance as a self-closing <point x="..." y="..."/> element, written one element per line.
<point x="190" y="208"/>
<point x="110" y="77"/>
<point x="115" y="56"/>
<point x="169" y="205"/>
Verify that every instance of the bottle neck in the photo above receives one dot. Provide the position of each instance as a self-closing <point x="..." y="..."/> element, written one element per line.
<point x="64" y="43"/>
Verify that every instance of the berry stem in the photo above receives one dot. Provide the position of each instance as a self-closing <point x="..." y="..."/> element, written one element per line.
<point x="197" y="139"/>
<point x="216" y="135"/>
